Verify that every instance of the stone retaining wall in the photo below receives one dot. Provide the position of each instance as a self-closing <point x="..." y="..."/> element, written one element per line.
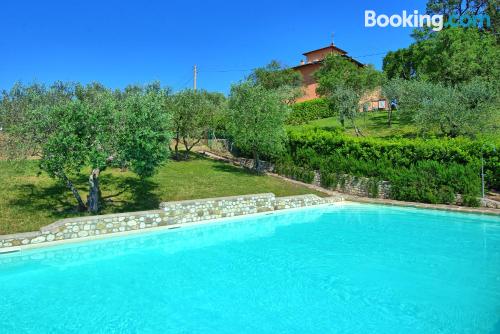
<point x="170" y="213"/>
<point x="358" y="186"/>
<point x="348" y="184"/>
<point x="489" y="203"/>
<point x="265" y="166"/>
<point x="352" y="185"/>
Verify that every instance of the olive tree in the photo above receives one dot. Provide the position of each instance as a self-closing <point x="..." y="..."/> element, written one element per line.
<point x="194" y="114"/>
<point x="464" y="109"/>
<point x="342" y="82"/>
<point x="276" y="76"/>
<point x="70" y="127"/>
<point x="256" y="120"/>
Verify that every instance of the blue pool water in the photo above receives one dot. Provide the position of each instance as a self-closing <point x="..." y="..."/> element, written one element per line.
<point x="336" y="269"/>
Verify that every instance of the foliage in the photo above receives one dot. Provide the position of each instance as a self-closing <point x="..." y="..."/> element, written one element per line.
<point x="450" y="56"/>
<point x="460" y="8"/>
<point x="143" y="130"/>
<point x="339" y="71"/>
<point x="194" y="114"/>
<point x="287" y="168"/>
<point x="465" y="109"/>
<point x="70" y="127"/>
<point x="306" y="111"/>
<point x="390" y="159"/>
<point x="256" y="120"/>
<point x="344" y="83"/>
<point x="434" y="182"/>
<point x="275" y="76"/>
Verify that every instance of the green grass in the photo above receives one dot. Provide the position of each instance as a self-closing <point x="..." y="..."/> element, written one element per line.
<point x="29" y="201"/>
<point x="372" y="124"/>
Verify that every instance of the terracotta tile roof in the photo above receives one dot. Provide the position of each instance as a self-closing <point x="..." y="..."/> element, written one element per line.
<point x="331" y="46"/>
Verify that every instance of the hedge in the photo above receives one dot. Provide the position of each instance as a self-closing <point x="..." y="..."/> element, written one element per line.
<point x="290" y="170"/>
<point x="303" y="112"/>
<point x="419" y="170"/>
<point x="307" y="146"/>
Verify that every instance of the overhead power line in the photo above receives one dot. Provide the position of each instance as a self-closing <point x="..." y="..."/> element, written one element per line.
<point x="229" y="70"/>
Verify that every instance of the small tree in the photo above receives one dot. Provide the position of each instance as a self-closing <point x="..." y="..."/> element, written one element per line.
<point x="346" y="101"/>
<point x="256" y="120"/>
<point x="392" y="91"/>
<point x="70" y="127"/>
<point x="464" y="109"/>
<point x="340" y="78"/>
<point x="275" y="76"/>
<point x="194" y="114"/>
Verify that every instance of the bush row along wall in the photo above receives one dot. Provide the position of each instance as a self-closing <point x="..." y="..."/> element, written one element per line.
<point x="170" y="213"/>
<point x="428" y="171"/>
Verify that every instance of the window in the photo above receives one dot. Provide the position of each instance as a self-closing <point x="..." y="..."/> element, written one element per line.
<point x="381" y="104"/>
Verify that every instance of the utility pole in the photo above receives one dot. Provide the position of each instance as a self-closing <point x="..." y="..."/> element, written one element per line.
<point x="195" y="72"/>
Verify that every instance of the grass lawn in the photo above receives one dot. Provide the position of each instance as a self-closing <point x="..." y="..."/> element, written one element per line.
<point x="372" y="124"/>
<point x="29" y="201"/>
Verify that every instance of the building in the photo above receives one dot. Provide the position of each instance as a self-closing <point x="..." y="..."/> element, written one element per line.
<point x="372" y="100"/>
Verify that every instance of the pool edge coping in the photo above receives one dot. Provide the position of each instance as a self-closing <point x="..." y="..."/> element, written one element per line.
<point x="18" y="249"/>
<point x="428" y="206"/>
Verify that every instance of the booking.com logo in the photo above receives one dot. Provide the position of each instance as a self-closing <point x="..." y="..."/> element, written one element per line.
<point x="416" y="20"/>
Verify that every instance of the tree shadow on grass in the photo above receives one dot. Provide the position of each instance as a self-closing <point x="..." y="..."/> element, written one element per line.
<point x="130" y="194"/>
<point x="228" y="168"/>
<point x="122" y="194"/>
<point x="55" y="201"/>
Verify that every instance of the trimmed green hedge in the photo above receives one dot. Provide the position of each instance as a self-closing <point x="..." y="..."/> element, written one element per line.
<point x="419" y="170"/>
<point x="288" y="169"/>
<point x="433" y="182"/>
<point x="303" y="112"/>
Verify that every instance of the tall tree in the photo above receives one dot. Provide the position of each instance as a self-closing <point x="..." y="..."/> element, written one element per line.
<point x="256" y="120"/>
<point x="459" y="8"/>
<point x="450" y="56"/>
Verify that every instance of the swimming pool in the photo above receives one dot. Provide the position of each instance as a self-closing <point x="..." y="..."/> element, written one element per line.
<point x="349" y="268"/>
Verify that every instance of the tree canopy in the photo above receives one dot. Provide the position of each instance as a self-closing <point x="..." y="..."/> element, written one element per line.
<point x="464" y="109"/>
<point x="450" y="56"/>
<point x="256" y="120"/>
<point x="344" y="83"/>
<point x="194" y="114"/>
<point x="70" y="126"/>
<point x="275" y="76"/>
<point x="460" y="8"/>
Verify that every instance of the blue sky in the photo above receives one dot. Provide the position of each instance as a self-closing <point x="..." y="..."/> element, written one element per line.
<point x="123" y="42"/>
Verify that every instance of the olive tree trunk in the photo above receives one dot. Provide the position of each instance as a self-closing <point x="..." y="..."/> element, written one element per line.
<point x="76" y="194"/>
<point x="94" y="197"/>
<point x="256" y="164"/>
<point x="189" y="147"/>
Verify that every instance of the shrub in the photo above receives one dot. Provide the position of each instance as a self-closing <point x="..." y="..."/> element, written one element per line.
<point x="288" y="169"/>
<point x="433" y="182"/>
<point x="374" y="157"/>
<point x="431" y="171"/>
<point x="303" y="112"/>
